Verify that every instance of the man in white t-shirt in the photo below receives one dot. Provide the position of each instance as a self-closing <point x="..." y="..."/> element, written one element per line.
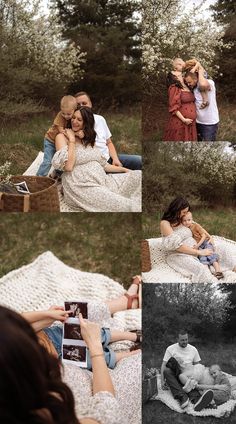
<point x="103" y="139"/>
<point x="185" y="354"/>
<point x="207" y="118"/>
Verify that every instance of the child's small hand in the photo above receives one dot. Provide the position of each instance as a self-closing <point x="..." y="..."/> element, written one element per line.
<point x="80" y="134"/>
<point x="70" y="134"/>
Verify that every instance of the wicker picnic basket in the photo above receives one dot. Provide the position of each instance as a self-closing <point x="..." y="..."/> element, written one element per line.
<point x="149" y="388"/>
<point x="146" y="259"/>
<point x="43" y="196"/>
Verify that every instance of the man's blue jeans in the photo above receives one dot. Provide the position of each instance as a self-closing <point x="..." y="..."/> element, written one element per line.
<point x="49" y="152"/>
<point x="206" y="132"/>
<point x="130" y="161"/>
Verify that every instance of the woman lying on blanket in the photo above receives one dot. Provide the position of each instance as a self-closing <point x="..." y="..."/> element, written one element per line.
<point x="179" y="244"/>
<point x="85" y="182"/>
<point x="51" y="337"/>
<point x="31" y="378"/>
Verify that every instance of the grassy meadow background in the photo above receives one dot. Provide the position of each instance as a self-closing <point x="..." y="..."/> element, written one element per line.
<point x="23" y="139"/>
<point x="220" y="221"/>
<point x="101" y="243"/>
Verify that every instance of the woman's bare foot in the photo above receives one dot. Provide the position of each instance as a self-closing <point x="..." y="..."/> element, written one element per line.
<point x="126" y="354"/>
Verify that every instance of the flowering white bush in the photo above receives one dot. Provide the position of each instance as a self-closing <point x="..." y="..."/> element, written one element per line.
<point x="33" y="41"/>
<point x="170" y="30"/>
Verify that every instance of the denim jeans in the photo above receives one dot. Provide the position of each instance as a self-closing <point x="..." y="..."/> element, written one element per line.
<point x="206" y="132"/>
<point x="177" y="390"/>
<point x="55" y="335"/>
<point x="49" y="152"/>
<point x="130" y="161"/>
<point x="208" y="260"/>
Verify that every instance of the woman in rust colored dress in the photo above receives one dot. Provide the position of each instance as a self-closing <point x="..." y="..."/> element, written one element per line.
<point x="182" y="122"/>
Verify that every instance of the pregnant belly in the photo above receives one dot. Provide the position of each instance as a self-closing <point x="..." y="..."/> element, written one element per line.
<point x="188" y="110"/>
<point x="89" y="174"/>
<point x="189" y="241"/>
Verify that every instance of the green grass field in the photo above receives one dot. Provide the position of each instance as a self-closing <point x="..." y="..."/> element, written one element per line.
<point x="155" y="412"/>
<point x="103" y="243"/>
<point x="220" y="221"/>
<point x="21" y="142"/>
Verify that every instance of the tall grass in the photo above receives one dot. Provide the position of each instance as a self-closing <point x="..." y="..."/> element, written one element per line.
<point x="104" y="243"/>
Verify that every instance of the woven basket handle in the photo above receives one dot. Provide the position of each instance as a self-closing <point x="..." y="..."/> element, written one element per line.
<point x="26" y="205"/>
<point x="1" y="201"/>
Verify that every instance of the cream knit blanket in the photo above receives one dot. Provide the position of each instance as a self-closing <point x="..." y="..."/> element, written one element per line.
<point x="161" y="272"/>
<point x="48" y="281"/>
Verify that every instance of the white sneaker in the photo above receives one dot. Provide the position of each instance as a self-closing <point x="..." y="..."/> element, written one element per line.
<point x="204" y="400"/>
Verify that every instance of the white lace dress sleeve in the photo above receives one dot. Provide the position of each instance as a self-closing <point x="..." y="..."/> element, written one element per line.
<point x="60" y="157"/>
<point x="172" y="242"/>
<point x="102" y="407"/>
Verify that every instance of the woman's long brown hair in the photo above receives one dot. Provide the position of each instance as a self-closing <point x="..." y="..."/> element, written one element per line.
<point x="31" y="388"/>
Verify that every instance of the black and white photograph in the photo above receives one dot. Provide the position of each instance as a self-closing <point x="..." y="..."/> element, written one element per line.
<point x="72" y="331"/>
<point x="76" y="308"/>
<point x="74" y="353"/>
<point x="189" y="369"/>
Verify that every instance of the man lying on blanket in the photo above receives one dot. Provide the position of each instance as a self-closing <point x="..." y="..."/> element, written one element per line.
<point x="180" y="357"/>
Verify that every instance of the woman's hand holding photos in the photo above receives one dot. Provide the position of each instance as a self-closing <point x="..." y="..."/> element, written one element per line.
<point x="91" y="334"/>
<point x="57" y="313"/>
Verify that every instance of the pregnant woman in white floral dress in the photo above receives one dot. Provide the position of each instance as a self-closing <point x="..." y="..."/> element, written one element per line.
<point x="178" y="243"/>
<point x="86" y="184"/>
<point x="31" y="379"/>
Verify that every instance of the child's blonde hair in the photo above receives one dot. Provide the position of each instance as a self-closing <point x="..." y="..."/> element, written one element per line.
<point x="189" y="64"/>
<point x="175" y="60"/>
<point x="216" y="366"/>
<point x="68" y="102"/>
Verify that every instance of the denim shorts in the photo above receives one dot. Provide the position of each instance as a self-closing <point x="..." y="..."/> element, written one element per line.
<point x="208" y="260"/>
<point x="55" y="334"/>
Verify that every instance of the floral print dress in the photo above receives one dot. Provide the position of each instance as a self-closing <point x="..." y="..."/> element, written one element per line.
<point x="88" y="187"/>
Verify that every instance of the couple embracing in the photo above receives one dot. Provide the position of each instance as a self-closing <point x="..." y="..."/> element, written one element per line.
<point x="190" y="381"/>
<point x="193" y="108"/>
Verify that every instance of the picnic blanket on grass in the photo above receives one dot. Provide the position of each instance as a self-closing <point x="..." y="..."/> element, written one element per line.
<point x="161" y="272"/>
<point x="224" y="410"/>
<point x="47" y="281"/>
